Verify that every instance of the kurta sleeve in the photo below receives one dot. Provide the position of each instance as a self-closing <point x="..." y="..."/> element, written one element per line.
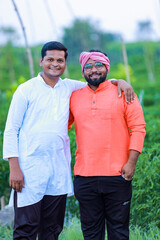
<point x="76" y="85"/>
<point x="136" y="124"/>
<point x="14" y="122"/>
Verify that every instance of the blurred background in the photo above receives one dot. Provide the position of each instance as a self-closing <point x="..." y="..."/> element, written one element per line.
<point x="80" y="25"/>
<point x="112" y="26"/>
<point x="45" y="20"/>
<point x="129" y="31"/>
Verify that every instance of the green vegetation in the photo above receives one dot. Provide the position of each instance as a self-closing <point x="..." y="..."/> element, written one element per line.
<point x="6" y="232"/>
<point x="73" y="232"/>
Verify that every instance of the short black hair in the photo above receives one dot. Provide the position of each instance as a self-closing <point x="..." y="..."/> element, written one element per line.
<point x="53" y="45"/>
<point x="93" y="50"/>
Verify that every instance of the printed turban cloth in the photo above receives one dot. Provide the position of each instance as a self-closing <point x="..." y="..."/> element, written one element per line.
<point x="96" y="56"/>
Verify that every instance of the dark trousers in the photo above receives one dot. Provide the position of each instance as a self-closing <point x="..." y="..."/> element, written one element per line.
<point x="104" y="199"/>
<point x="43" y="219"/>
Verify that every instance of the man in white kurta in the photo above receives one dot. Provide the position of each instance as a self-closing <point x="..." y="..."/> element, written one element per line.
<point x="37" y="133"/>
<point x="36" y="143"/>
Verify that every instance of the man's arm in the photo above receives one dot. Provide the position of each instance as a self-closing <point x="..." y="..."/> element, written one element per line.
<point x="123" y="86"/>
<point x="129" y="168"/>
<point x="14" y="121"/>
<point x="16" y="176"/>
<point x="76" y="84"/>
<point x="136" y="124"/>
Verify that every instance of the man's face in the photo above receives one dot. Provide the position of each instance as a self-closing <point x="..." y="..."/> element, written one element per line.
<point x="53" y="64"/>
<point x="94" y="72"/>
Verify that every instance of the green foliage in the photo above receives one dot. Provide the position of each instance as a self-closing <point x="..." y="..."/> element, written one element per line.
<point x="119" y="72"/>
<point x="75" y="71"/>
<point x="146" y="184"/>
<point x="4" y="180"/>
<point x="137" y="233"/>
<point x="152" y="119"/>
<point x="73" y="231"/>
<point x="4" y="168"/>
<point x="9" y="92"/>
<point x="6" y="233"/>
<point x="145" y="208"/>
<point x="11" y="67"/>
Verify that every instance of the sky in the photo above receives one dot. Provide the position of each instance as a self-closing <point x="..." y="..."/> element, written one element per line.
<point x="44" y="20"/>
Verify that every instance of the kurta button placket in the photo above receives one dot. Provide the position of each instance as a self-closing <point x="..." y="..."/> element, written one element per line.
<point x="55" y="104"/>
<point x="94" y="104"/>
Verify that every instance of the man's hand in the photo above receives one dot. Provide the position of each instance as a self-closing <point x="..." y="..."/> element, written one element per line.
<point x="129" y="168"/>
<point x="123" y="86"/>
<point x="16" y="176"/>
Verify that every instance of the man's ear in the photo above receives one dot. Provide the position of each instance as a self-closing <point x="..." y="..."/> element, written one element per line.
<point x="41" y="62"/>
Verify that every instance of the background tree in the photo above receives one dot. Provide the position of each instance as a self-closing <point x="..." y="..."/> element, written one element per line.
<point x="9" y="36"/>
<point x="84" y="35"/>
<point x="145" y="30"/>
<point x="29" y="55"/>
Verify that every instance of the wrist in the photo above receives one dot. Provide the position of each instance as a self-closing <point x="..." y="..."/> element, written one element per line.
<point x="13" y="162"/>
<point x="114" y="81"/>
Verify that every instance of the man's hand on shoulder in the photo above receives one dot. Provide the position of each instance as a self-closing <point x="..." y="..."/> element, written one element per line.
<point x="123" y="86"/>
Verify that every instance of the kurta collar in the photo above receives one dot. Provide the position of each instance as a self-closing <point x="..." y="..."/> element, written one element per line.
<point x="44" y="83"/>
<point x="102" y="86"/>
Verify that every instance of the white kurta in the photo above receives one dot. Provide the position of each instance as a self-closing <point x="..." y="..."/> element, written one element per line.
<point x="37" y="133"/>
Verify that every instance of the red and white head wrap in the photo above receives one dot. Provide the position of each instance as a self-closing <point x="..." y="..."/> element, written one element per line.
<point x="96" y="56"/>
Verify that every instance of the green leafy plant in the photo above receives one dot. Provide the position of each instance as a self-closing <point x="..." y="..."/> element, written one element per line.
<point x="6" y="232"/>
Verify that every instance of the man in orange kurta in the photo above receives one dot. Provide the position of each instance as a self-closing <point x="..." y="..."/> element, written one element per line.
<point x="109" y="135"/>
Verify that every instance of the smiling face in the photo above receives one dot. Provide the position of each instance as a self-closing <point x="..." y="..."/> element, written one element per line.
<point x="53" y="65"/>
<point x="94" y="72"/>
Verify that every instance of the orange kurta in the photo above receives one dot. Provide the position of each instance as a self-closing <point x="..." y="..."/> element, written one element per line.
<point x="106" y="128"/>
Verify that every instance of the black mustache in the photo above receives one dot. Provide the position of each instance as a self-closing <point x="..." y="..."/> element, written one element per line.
<point x="94" y="74"/>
